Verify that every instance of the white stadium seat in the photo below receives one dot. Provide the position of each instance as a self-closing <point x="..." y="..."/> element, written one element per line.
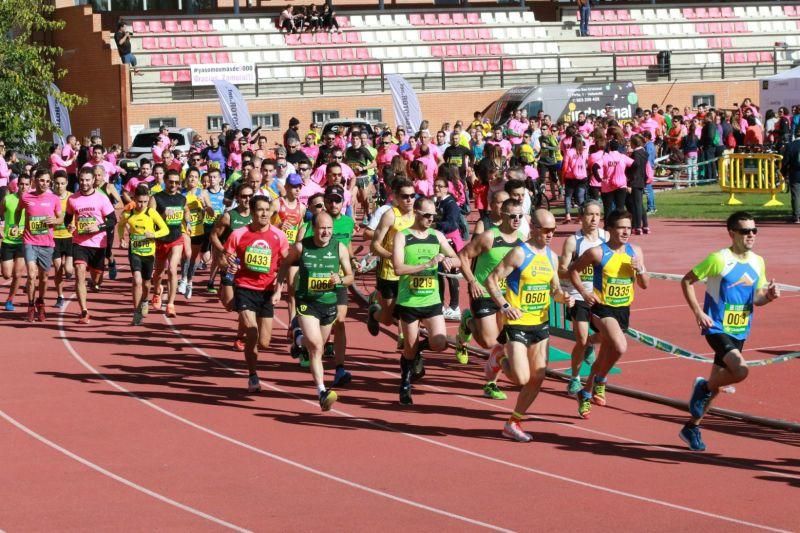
<point x="285" y="56"/>
<point x="229" y="41"/>
<point x="552" y="47"/>
<point x="250" y="24"/>
<point x="511" y="49"/>
<point x="487" y="18"/>
<point x="529" y="17"/>
<point x="356" y="21"/>
<point x="219" y="25"/>
<point x="235" y="24"/>
<point x="371" y="21"/>
<point x="412" y="36"/>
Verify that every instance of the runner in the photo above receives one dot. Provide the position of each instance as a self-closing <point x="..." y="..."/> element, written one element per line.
<point x="494" y="217"/>
<point x="324" y="268"/>
<point x="171" y="205"/>
<point x="144" y="225"/>
<point x="530" y="271"/>
<point x="62" y="255"/>
<point x="589" y="236"/>
<point x="198" y="205"/>
<point x="254" y="254"/>
<point x="736" y="280"/>
<point x="289" y="216"/>
<point x="11" y="251"/>
<point x="616" y="265"/>
<point x="216" y="197"/>
<point x="229" y="222"/>
<point x="101" y="184"/>
<point x="416" y="254"/>
<point x="478" y="259"/>
<point x="400" y="217"/>
<point x="42" y="212"/>
<point x="87" y="219"/>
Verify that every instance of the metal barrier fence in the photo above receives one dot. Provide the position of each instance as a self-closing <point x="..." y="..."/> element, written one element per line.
<point x="753" y="173"/>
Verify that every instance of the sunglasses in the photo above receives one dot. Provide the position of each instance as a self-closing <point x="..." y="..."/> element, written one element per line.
<point x="281" y="165"/>
<point x="547" y="230"/>
<point x="427" y="216"/>
<point x="746" y="231"/>
<point x="334" y="199"/>
<point x="304" y="169"/>
<point x="408" y="196"/>
<point x="317" y="206"/>
<point x="245" y="196"/>
<point x="513" y="216"/>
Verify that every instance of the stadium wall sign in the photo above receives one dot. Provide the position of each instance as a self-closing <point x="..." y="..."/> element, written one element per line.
<point x="236" y="73"/>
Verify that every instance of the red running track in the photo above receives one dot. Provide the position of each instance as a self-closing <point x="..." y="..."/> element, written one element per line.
<point x="109" y="426"/>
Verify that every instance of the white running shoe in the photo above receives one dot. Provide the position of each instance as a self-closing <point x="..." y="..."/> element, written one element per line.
<point x="513" y="430"/>
<point x="181" y="286"/>
<point x="188" y="292"/>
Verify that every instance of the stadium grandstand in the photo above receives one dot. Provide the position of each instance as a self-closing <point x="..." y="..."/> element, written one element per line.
<point x="698" y="50"/>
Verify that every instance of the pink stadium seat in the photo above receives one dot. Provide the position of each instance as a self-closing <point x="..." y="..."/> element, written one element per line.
<point x="188" y="26"/>
<point x="484" y="33"/>
<point x="595" y="15"/>
<point x="150" y="43"/>
<point x="611" y="15"/>
<point x="467" y="50"/>
<point x="430" y="19"/>
<point x="481" y="50"/>
<point x="156" y="26"/>
<point x="332" y="54"/>
<point x="623" y="15"/>
<point x="622" y="46"/>
<point x="207" y="59"/>
<point x="437" y="51"/>
<point x="348" y="54"/>
<point x="328" y="71"/>
<point x="740" y="27"/>
<point x="609" y="31"/>
<point x="451" y="50"/>
<point x="416" y="19"/>
<point x="307" y="38"/>
<point x="688" y="13"/>
<point x="172" y="26"/>
<point x="189" y="59"/>
<point x="622" y="62"/>
<point x="301" y="55"/>
<point x="343" y="71"/>
<point x="451" y="67"/>
<point x="766" y="57"/>
<point x="373" y="69"/>
<point x="495" y="49"/>
<point x="649" y="60"/>
<point x="353" y="37"/>
<point x="315" y="54"/>
<point x="312" y="71"/>
<point x="459" y="18"/>
<point x="740" y="57"/>
<point x="474" y="18"/>
<point x="623" y="30"/>
<point x="167" y="76"/>
<point x="714" y="13"/>
<point x="471" y="34"/>
<point x="358" y="70"/>
<point x="478" y="65"/>
<point x="344" y="22"/>
<point x="728" y="27"/>
<point x="140" y="26"/>
<point x="322" y="38"/>
<point x="457" y="35"/>
<point x="635" y="31"/>
<point x="715" y="27"/>
<point x="174" y="60"/>
<point x="292" y="39"/>
<point x="727" y="12"/>
<point x="184" y="76"/>
<point x="204" y="25"/>
<point x="702" y="12"/>
<point x="445" y="19"/>
<point x="464" y="67"/>
<point x="223" y="57"/>
<point x="165" y="43"/>
<point x="713" y="42"/>
<point x="753" y="57"/>
<point x="493" y="65"/>
<point x="426" y="35"/>
<point x="701" y="28"/>
<point x="213" y="41"/>
<point x="607" y="46"/>
<point x="508" y="64"/>
<point x="726" y="42"/>
<point x="158" y="60"/>
<point x="441" y="35"/>
<point x="635" y="46"/>
<point x="362" y="53"/>
<point x="198" y="42"/>
<point x="338" y="38"/>
<point x="790" y="11"/>
<point x="182" y="42"/>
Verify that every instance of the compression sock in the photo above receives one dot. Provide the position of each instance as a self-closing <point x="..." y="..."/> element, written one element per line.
<point x="515" y="417"/>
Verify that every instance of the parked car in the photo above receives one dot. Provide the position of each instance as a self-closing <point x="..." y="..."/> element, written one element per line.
<point x="143" y="142"/>
<point x="341" y="124"/>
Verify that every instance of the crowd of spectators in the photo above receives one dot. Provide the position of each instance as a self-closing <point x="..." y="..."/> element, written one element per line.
<point x="308" y="19"/>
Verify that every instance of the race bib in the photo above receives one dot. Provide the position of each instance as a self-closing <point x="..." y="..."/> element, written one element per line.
<point x="618" y="292"/>
<point x="194" y="217"/>
<point x="173" y="216"/>
<point x="587" y="274"/>
<point x="534" y="297"/>
<point x="141" y="245"/>
<point x="84" y="223"/>
<point x="258" y="259"/>
<point x="208" y="220"/>
<point x="736" y="318"/>
<point x="320" y="283"/>
<point x="291" y="234"/>
<point x="37" y="225"/>
<point x="422" y="285"/>
<point x="503" y="284"/>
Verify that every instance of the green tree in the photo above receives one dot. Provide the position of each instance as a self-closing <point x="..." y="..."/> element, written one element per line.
<point x="27" y="68"/>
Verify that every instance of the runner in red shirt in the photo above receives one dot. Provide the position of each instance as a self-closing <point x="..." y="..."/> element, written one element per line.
<point x="253" y="254"/>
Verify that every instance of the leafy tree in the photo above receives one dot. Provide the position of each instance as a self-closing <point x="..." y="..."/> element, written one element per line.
<point x="27" y="68"/>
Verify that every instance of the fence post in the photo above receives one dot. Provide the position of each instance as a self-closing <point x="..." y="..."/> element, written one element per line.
<point x="774" y="59"/>
<point x="321" y="82"/>
<point x="256" y="80"/>
<point x="722" y="64"/>
<point x="558" y="67"/>
<point x="443" y="82"/>
<point x="614" y="66"/>
<point x="502" y="73"/>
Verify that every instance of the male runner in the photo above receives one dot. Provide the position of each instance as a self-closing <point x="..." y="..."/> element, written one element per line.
<point x="616" y="265"/>
<point x="216" y="197"/>
<point x="589" y="236"/>
<point x="11" y="252"/>
<point x="198" y="205"/>
<point x="42" y="212"/>
<point x="494" y="217"/>
<point x="253" y="254"/>
<point x="736" y="280"/>
<point x="478" y="258"/>
<point x="416" y="254"/>
<point x="324" y="267"/>
<point x="171" y="205"/>
<point x="288" y="216"/>
<point x="530" y="272"/>
<point x="144" y="225"/>
<point x="62" y="255"/>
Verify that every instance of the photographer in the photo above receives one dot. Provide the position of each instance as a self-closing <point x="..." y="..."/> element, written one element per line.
<point x="123" y="39"/>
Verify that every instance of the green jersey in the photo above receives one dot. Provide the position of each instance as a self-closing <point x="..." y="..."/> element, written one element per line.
<point x="11" y="202"/>
<point x="343" y="227"/>
<point x="420" y="289"/>
<point x="317" y="263"/>
<point x="237" y="221"/>
<point x="487" y="261"/>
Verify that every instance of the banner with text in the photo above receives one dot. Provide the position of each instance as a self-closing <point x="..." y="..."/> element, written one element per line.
<point x="406" y="105"/>
<point x="234" y="108"/>
<point x="238" y="73"/>
<point x="59" y="116"/>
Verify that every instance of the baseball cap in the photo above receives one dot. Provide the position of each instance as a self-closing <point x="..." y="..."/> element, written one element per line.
<point x="334" y="190"/>
<point x="294" y="180"/>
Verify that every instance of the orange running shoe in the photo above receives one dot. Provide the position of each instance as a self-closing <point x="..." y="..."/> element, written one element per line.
<point x="238" y="345"/>
<point x="155" y="301"/>
<point x="171" y="311"/>
<point x="31" y="313"/>
<point x="41" y="316"/>
<point x="85" y="318"/>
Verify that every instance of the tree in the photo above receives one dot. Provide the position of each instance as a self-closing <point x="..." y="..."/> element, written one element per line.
<point x="27" y="69"/>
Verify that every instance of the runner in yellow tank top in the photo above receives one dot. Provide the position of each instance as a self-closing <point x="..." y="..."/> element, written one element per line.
<point x="618" y="266"/>
<point x="62" y="254"/>
<point x="531" y="275"/>
<point x="199" y="205"/>
<point x="400" y="217"/>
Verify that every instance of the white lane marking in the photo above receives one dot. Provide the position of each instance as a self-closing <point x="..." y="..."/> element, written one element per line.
<point x="250" y="447"/>
<point x="489" y="458"/>
<point x="44" y="440"/>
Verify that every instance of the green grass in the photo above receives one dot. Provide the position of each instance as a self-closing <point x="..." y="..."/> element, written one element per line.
<point x="709" y="203"/>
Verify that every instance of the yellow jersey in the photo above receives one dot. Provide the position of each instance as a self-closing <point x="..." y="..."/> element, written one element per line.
<point x="61" y="231"/>
<point x="529" y="285"/>
<point x="196" y="212"/>
<point x="139" y="224"/>
<point x="401" y="222"/>
<point x="614" y="277"/>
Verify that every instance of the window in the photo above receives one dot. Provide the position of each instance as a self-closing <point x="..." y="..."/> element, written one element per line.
<point x="170" y="122"/>
<point x="707" y="99"/>
<point x="268" y="121"/>
<point x="371" y="115"/>
<point x="214" y="123"/>
<point x="323" y="116"/>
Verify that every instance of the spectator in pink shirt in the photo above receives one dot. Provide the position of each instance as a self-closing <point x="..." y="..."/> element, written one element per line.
<point x="417" y="174"/>
<point x="516" y="127"/>
<point x="650" y="124"/>
<point x="145" y="176"/>
<point x="614" y="189"/>
<point x="336" y="156"/>
<point x="310" y="148"/>
<point x="70" y="151"/>
<point x="497" y="139"/>
<point x="431" y="163"/>
<point x="98" y="159"/>
<point x="574" y="172"/>
<point x="57" y="162"/>
<point x="386" y="152"/>
<point x="594" y="167"/>
<point x="113" y="153"/>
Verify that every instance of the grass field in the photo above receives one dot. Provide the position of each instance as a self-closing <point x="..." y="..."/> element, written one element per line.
<point x="707" y="202"/>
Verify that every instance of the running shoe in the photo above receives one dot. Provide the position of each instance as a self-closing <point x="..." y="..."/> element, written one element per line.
<point x="401" y="342"/>
<point x="156" y="301"/>
<point x="513" y="430"/>
<point x="599" y="393"/>
<point x="342" y="377"/>
<point x="112" y="270"/>
<point x="452" y="313"/>
<point x="31" y="313"/>
<point x="646" y="231"/>
<point x="700" y="397"/>
<point x="327" y="398"/>
<point x="9" y="306"/>
<point x="210" y="289"/>
<point x="584" y="404"/>
<point x="238" y="345"/>
<point x="144" y="308"/>
<point x="405" y="395"/>
<point x="41" y="315"/>
<point x="691" y="436"/>
<point x="84" y="318"/>
<point x="574" y="386"/>
<point x="373" y="326"/>
<point x="462" y="355"/>
<point x="253" y="384"/>
<point x="188" y="290"/>
<point x="294" y="351"/>
<point x="418" y="368"/>
<point x="464" y="333"/>
<point x="303" y="358"/>
<point x="137" y="318"/>
<point x="181" y="286"/>
<point x="171" y="311"/>
<point x="59" y="302"/>
<point x="491" y="368"/>
<point x="491" y="390"/>
<point x="329" y="349"/>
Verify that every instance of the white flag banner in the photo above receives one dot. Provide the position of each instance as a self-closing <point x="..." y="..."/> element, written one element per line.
<point x="59" y="116"/>
<point x="234" y="108"/>
<point x="407" y="112"/>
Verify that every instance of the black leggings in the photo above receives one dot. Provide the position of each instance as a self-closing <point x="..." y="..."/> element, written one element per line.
<point x="635" y="206"/>
<point x="613" y="200"/>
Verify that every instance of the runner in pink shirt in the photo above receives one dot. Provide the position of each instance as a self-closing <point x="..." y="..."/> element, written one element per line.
<point x="145" y="176"/>
<point x="347" y="173"/>
<point x="42" y="212"/>
<point x="594" y="168"/>
<point x="310" y="148"/>
<point x="57" y="162"/>
<point x="98" y="158"/>
<point x="518" y="126"/>
<point x="88" y="217"/>
<point x="70" y="151"/>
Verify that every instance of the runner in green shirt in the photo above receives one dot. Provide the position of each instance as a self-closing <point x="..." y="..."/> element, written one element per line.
<point x="13" y="258"/>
